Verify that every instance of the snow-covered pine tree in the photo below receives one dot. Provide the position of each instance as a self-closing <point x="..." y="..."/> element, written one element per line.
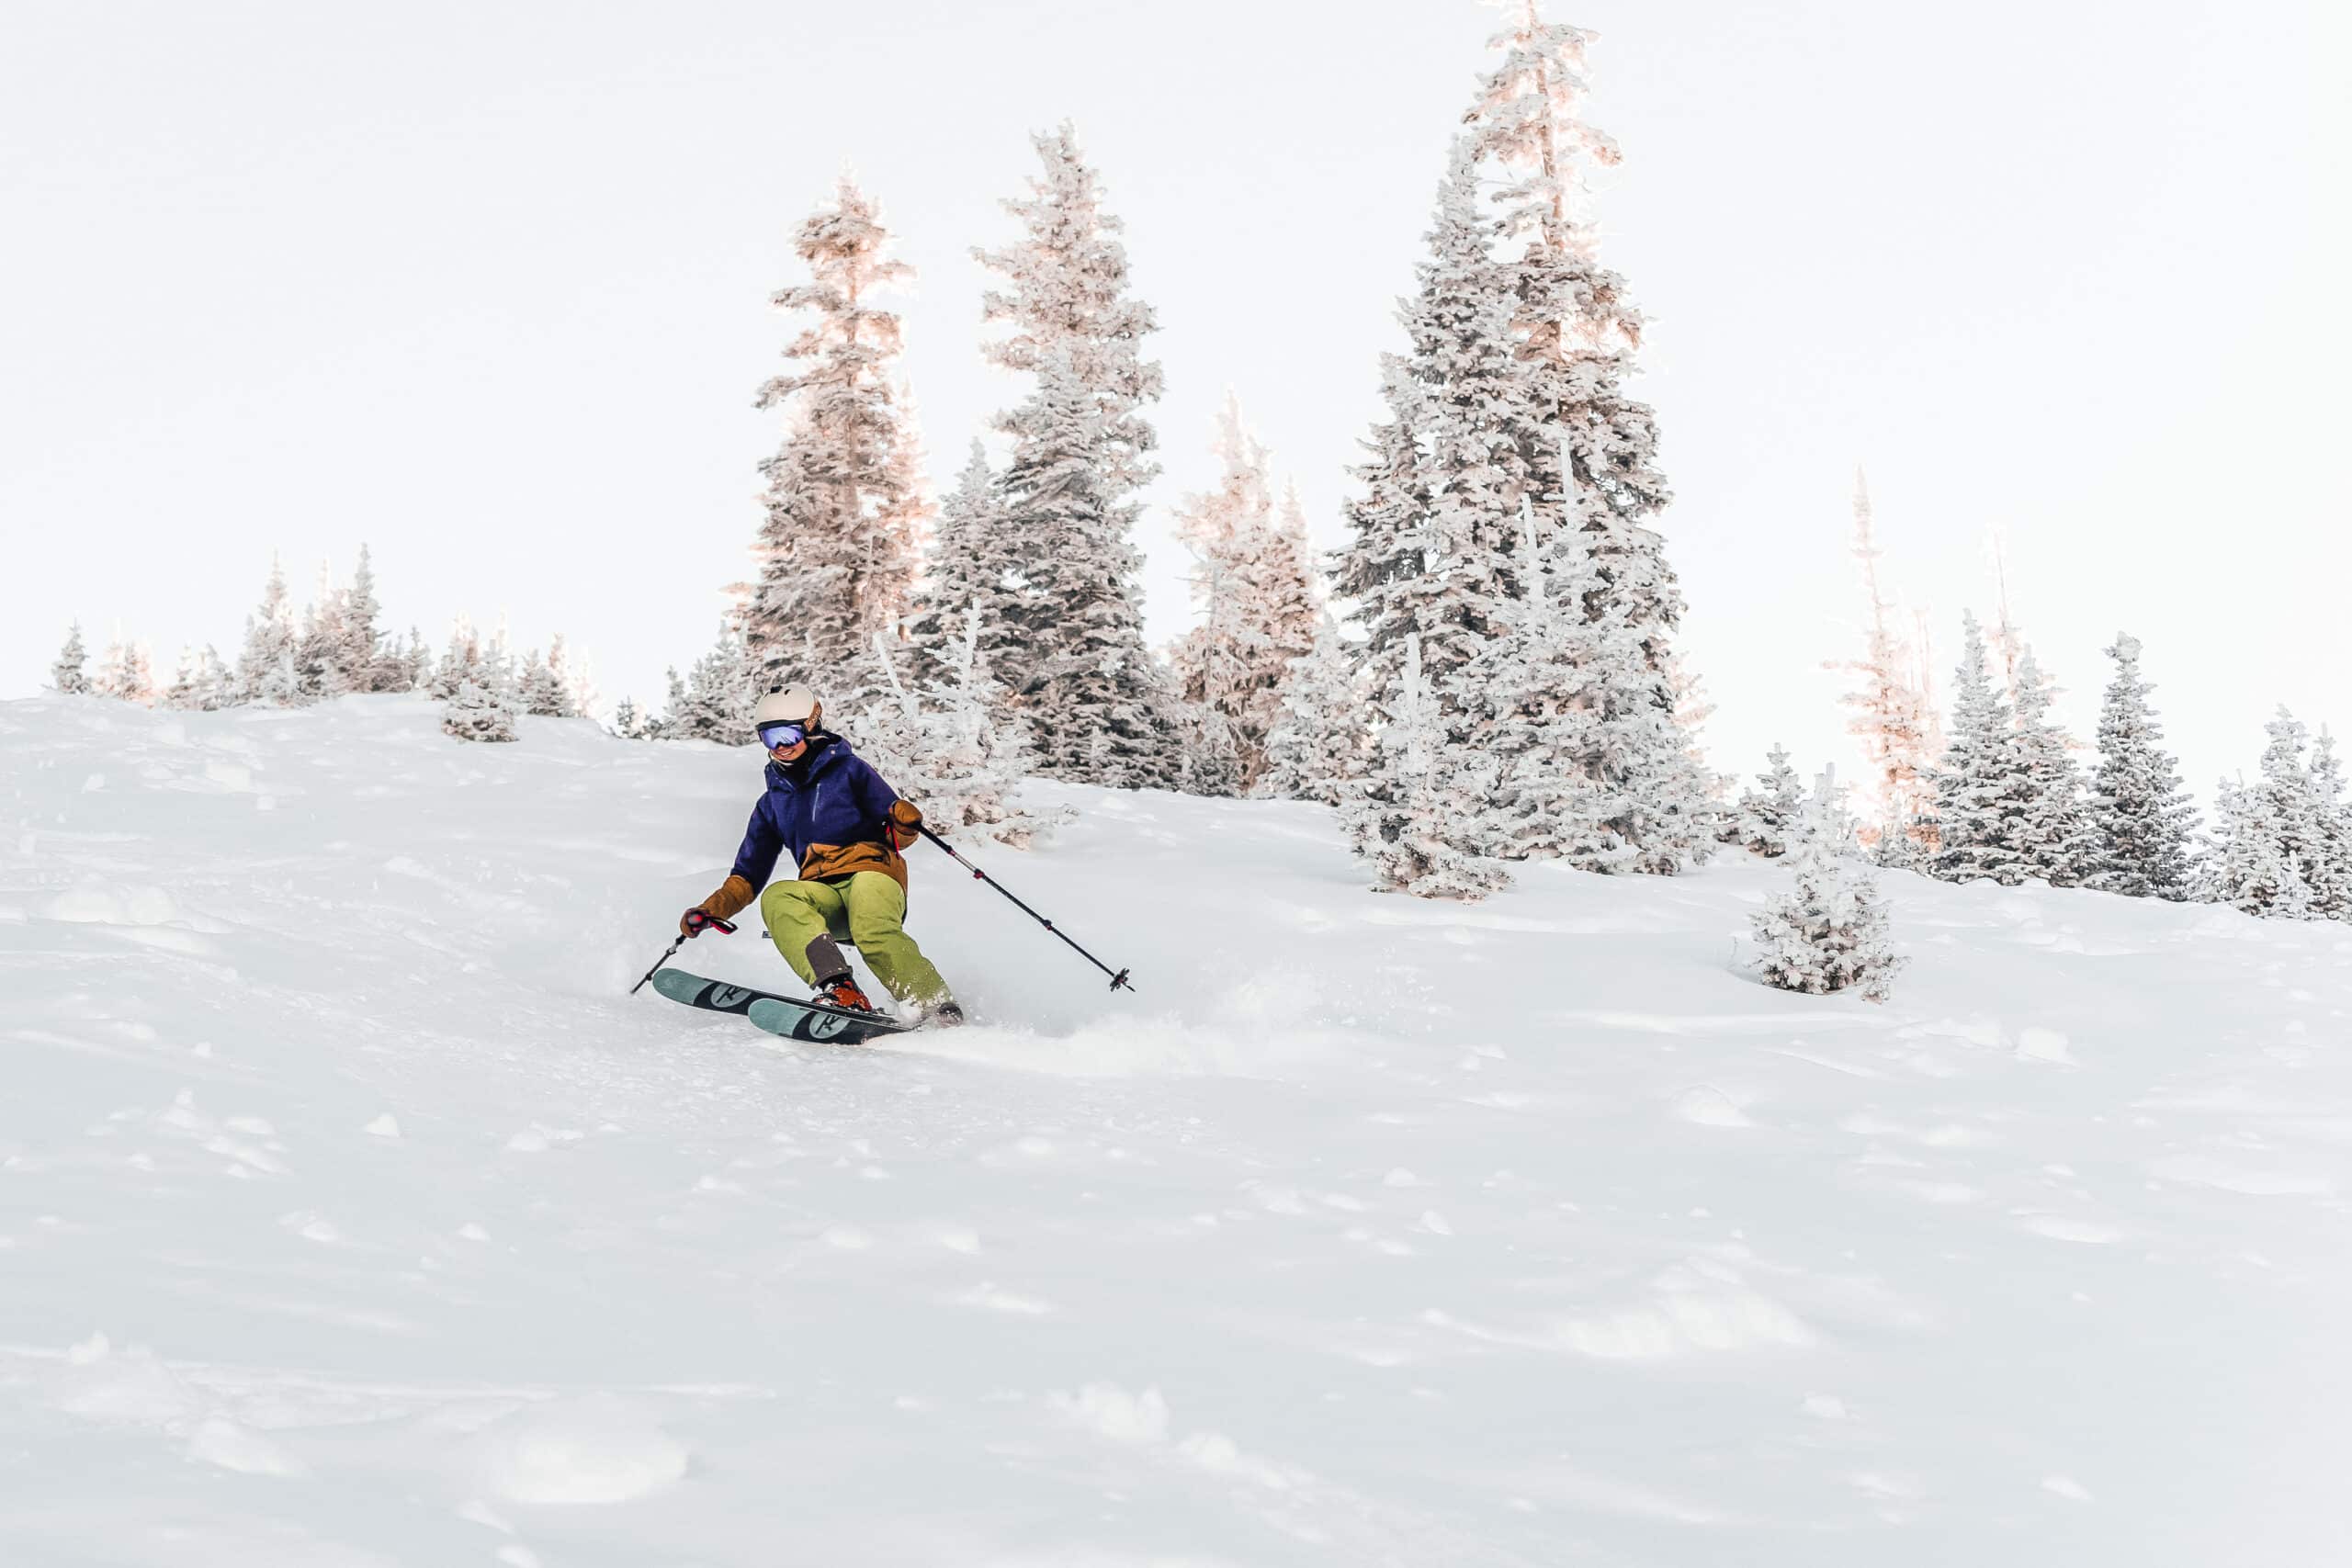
<point x="266" y="669"/>
<point x="1980" y="799"/>
<point x="629" y="723"/>
<point x="1889" y="716"/>
<point x="371" y="661"/>
<point x="2140" y="812"/>
<point x="1585" y="451"/>
<point x="714" y="700"/>
<point x="2290" y="809"/>
<point x="69" y="676"/>
<point x="478" y="712"/>
<point x="1771" y="813"/>
<point x="1319" y="744"/>
<point x="202" y="683"/>
<point x="1065" y="629"/>
<point x="975" y="563"/>
<point x="1408" y="814"/>
<point x="2244" y="865"/>
<point x="1253" y="588"/>
<point x="838" y="548"/>
<point x="2332" y="829"/>
<point x="460" y="662"/>
<point x="951" y="745"/>
<point x="1103" y="708"/>
<point x="124" y="673"/>
<point x="1433" y="554"/>
<point x="2055" y="835"/>
<point x="1828" y="931"/>
<point x="324" y="645"/>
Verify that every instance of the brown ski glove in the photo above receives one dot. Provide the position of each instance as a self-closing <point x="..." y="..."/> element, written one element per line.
<point x="724" y="905"/>
<point x="905" y="817"/>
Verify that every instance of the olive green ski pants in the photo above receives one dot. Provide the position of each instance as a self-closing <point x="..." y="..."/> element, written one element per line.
<point x="866" y="907"/>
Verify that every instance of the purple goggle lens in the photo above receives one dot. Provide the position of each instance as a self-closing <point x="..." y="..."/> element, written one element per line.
<point x="774" y="735"/>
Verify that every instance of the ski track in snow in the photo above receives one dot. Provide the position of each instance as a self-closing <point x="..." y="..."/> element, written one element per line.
<point x="350" y="1214"/>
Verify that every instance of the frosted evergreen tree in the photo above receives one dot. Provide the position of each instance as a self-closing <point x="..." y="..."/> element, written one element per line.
<point x="2332" y="823"/>
<point x="1103" y="708"/>
<point x="69" y="675"/>
<point x="1771" y="813"/>
<point x="1434" y="550"/>
<point x="202" y="685"/>
<point x="975" y="563"/>
<point x="1890" y="717"/>
<point x="1406" y="815"/>
<point x="266" y="668"/>
<point x="838" y="549"/>
<point x="478" y="712"/>
<point x="1980" y="789"/>
<point x="629" y="723"/>
<point x="1253" y="590"/>
<point x="546" y="687"/>
<point x="1068" y="601"/>
<point x="2055" y="835"/>
<point x="372" y="660"/>
<point x="2290" y="809"/>
<point x="714" y="700"/>
<point x="1319" y="744"/>
<point x="2141" y="814"/>
<point x="124" y="674"/>
<point x="460" y="662"/>
<point x="2247" y="866"/>
<point x="951" y="745"/>
<point x="1829" y="930"/>
<point x="324" y="646"/>
<point x="1575" y="326"/>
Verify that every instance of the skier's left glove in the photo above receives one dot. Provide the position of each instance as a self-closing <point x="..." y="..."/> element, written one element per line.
<point x="906" y="819"/>
<point x="733" y="895"/>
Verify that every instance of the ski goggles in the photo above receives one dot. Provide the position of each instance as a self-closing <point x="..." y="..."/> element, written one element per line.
<point x="774" y="735"/>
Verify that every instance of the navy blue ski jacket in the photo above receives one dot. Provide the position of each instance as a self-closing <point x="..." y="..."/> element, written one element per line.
<point x="828" y="808"/>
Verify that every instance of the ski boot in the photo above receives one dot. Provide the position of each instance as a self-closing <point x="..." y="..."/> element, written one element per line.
<point x="836" y="987"/>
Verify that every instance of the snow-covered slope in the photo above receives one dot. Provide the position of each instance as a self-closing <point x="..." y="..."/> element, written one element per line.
<point x="350" y="1214"/>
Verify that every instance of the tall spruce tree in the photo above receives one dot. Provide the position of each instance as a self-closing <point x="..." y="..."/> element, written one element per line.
<point x="265" y="671"/>
<point x="1980" y="802"/>
<point x="974" y="564"/>
<point x="1318" y="746"/>
<point x="2247" y="864"/>
<point x="2055" y="835"/>
<point x="2289" y="808"/>
<point x="1254" y="593"/>
<point x="2332" y="831"/>
<point x="837" y="550"/>
<point x="69" y="676"/>
<point x="1406" y="815"/>
<point x="2141" y="814"/>
<point x="1071" y="651"/>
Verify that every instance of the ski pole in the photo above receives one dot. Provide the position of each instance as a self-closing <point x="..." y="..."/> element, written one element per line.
<point x="1118" y="980"/>
<point x="720" y="925"/>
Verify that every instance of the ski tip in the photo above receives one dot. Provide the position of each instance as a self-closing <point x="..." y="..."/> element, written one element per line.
<point x="677" y="985"/>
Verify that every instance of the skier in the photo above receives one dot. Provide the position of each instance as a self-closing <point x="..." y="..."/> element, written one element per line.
<point x="844" y="828"/>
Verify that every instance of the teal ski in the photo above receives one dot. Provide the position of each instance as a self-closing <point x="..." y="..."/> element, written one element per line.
<point x="794" y="1017"/>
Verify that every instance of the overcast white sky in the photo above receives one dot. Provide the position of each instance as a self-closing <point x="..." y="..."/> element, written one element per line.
<point x="485" y="286"/>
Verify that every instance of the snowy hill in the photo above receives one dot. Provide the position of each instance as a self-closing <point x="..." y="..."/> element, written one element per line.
<point x="350" y="1214"/>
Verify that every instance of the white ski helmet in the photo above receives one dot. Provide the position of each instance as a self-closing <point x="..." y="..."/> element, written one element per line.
<point x="787" y="705"/>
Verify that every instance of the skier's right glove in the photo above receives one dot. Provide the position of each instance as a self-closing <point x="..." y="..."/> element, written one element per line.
<point x="718" y="909"/>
